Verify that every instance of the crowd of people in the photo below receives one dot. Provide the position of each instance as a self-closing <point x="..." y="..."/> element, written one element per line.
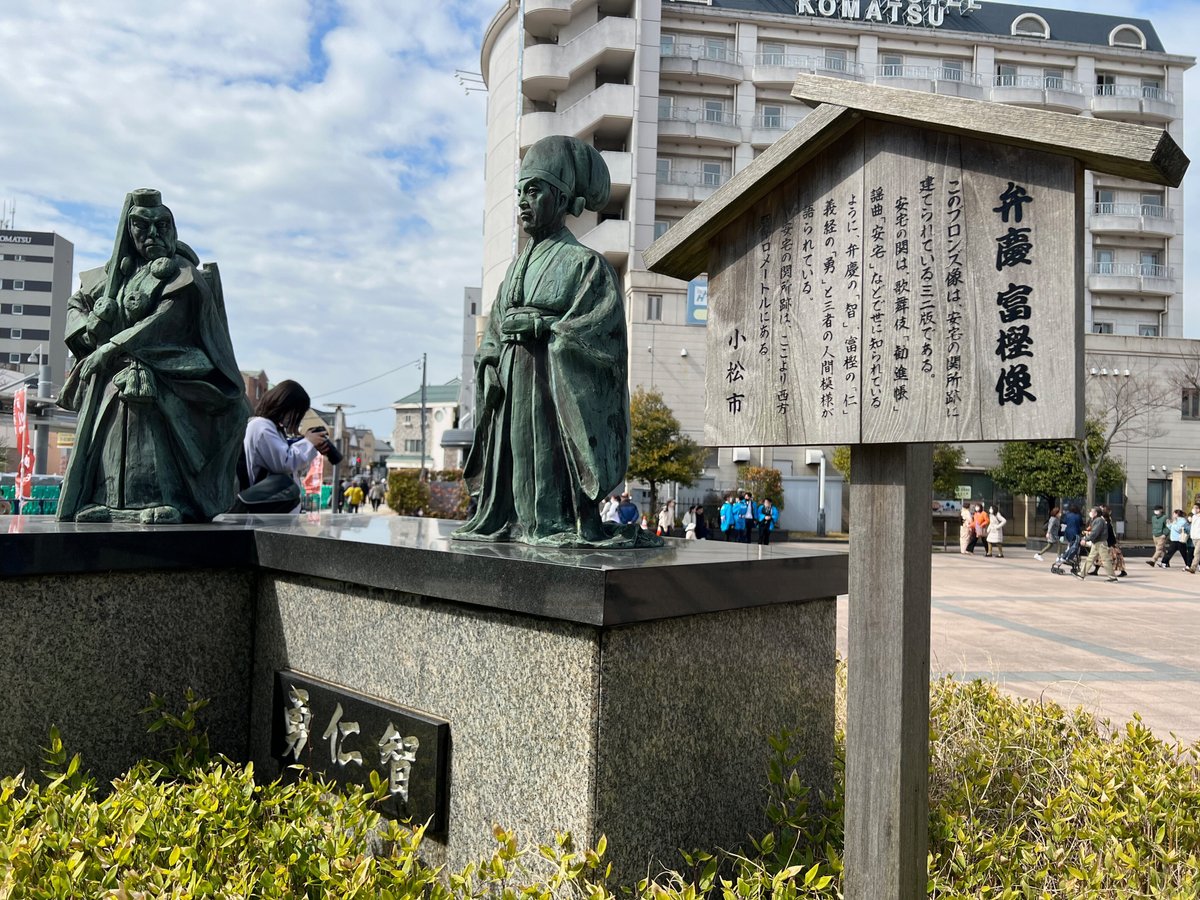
<point x="980" y="526"/>
<point x="741" y="519"/>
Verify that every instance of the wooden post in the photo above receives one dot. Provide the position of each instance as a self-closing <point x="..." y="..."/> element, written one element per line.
<point x="887" y="728"/>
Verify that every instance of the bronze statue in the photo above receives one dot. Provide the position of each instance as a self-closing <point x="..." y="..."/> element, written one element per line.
<point x="161" y="403"/>
<point x="552" y="434"/>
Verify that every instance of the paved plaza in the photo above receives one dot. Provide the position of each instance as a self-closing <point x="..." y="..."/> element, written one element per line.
<point x="1114" y="649"/>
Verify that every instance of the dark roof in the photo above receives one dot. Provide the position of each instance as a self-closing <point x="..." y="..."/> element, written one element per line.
<point x="990" y="19"/>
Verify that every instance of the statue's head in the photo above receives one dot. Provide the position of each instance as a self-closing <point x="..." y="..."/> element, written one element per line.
<point x="559" y="175"/>
<point x="151" y="225"/>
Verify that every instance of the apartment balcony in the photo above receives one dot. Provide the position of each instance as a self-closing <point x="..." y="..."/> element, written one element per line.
<point x="620" y="172"/>
<point x="550" y="68"/>
<point x="1044" y="92"/>
<point x="934" y="79"/>
<point x="768" y="128"/>
<point x="704" y="126"/>
<point x="544" y="17"/>
<point x="1131" y="278"/>
<point x="1133" y="101"/>
<point x="611" y="238"/>
<point x="701" y="63"/>
<point x="1132" y="218"/>
<point x="780" y="69"/>
<point x="687" y="187"/>
<point x="608" y="110"/>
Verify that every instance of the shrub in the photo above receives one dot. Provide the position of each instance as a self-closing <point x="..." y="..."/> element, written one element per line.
<point x="762" y="482"/>
<point x="407" y="494"/>
<point x="1025" y="802"/>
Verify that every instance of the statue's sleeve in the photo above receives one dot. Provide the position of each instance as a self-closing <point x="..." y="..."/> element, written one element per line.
<point x="588" y="356"/>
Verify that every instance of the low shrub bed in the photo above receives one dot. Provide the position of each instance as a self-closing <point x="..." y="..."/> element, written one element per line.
<point x="1026" y="801"/>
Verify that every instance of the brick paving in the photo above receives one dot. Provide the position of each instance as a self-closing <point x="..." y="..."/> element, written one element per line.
<point x="1114" y="649"/>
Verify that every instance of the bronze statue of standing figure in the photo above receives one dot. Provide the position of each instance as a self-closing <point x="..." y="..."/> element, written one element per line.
<point x="162" y="407"/>
<point x="552" y="399"/>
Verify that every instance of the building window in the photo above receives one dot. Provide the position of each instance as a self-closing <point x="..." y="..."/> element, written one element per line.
<point x="412" y="445"/>
<point x="18" y="258"/>
<point x="1145" y="330"/>
<point x="713" y="174"/>
<point x="716" y="48"/>
<point x="662" y="170"/>
<point x="18" y="309"/>
<point x="666" y="44"/>
<point x="1105" y="198"/>
<point x="1191" y="403"/>
<point x="1104" y="262"/>
<point x="1151" y="264"/>
<point x="473" y="308"/>
<point x="892" y="65"/>
<point x="1102" y="328"/>
<point x="19" y="284"/>
<point x="14" y="357"/>
<point x="1151" y="88"/>
<point x="1152" y="204"/>
<point x="772" y="54"/>
<point x="1006" y="75"/>
<point x="1106" y="84"/>
<point x="772" y="117"/>
<point x="1053" y="79"/>
<point x="408" y="420"/>
<point x="15" y="334"/>
<point x="835" y="60"/>
<point x="952" y="70"/>
<point x="1127" y="36"/>
<point x="714" y="111"/>
<point x="1030" y="25"/>
<point x="666" y="106"/>
<point x="654" y="307"/>
<point x="660" y="228"/>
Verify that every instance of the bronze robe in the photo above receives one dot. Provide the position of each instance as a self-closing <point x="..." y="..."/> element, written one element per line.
<point x="552" y="432"/>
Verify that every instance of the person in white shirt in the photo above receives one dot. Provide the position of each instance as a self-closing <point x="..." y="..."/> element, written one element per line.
<point x="267" y="446"/>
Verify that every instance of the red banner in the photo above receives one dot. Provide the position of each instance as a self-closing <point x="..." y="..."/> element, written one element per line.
<point x="24" y="446"/>
<point x="316" y="471"/>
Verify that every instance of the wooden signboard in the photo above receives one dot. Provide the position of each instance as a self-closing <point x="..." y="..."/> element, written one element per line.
<point x="900" y="268"/>
<point x="906" y="286"/>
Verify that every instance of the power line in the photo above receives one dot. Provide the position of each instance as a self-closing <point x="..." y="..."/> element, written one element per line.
<point x="369" y="380"/>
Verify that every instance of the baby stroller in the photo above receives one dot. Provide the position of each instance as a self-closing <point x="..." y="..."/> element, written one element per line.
<point x="1068" y="561"/>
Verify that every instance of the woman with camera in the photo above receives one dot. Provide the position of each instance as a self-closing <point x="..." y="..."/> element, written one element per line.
<point x="275" y="457"/>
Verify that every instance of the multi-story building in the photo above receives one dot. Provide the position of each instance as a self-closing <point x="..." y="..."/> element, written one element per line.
<point x="441" y="416"/>
<point x="679" y="95"/>
<point x="35" y="282"/>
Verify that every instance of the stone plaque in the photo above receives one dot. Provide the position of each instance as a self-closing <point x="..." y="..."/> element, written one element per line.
<point x="907" y="285"/>
<point x="345" y="736"/>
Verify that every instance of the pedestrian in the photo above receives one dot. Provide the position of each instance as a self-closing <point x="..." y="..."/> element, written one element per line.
<point x="1114" y="546"/>
<point x="749" y="517"/>
<point x="376" y="495"/>
<point x="1052" y="532"/>
<point x="725" y="513"/>
<point x="995" y="532"/>
<point x="1194" y="534"/>
<point x="738" y="519"/>
<point x="964" y="531"/>
<point x="1160" y="530"/>
<point x="354" y="497"/>
<point x="1178" y="543"/>
<point x="702" y="530"/>
<point x="666" y="518"/>
<point x="768" y="518"/>
<point x="627" y="511"/>
<point x="689" y="518"/>
<point x="981" y="529"/>
<point x="1072" y="532"/>
<point x="1097" y="539"/>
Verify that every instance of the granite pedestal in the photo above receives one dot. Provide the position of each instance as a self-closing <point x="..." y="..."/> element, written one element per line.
<point x="622" y="693"/>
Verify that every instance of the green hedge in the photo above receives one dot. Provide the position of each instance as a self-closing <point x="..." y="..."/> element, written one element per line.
<point x="1025" y="802"/>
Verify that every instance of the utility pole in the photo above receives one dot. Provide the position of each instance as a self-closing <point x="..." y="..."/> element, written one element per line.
<point x="339" y="427"/>
<point x="423" y="386"/>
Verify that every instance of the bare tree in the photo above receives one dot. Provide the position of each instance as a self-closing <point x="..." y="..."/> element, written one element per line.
<point x="1120" y="409"/>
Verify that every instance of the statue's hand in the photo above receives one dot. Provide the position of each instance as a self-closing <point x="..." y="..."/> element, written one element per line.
<point x="97" y="361"/>
<point x="518" y="327"/>
<point x="104" y="310"/>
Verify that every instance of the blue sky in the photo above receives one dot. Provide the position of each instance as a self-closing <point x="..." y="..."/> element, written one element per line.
<point x="320" y="151"/>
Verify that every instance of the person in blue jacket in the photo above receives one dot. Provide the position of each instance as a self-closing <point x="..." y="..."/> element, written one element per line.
<point x="768" y="517"/>
<point x="738" y="512"/>
<point x="1072" y="525"/>
<point x="727" y="518"/>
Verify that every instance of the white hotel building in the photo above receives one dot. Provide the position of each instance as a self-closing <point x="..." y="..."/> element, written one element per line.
<point x="681" y="94"/>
